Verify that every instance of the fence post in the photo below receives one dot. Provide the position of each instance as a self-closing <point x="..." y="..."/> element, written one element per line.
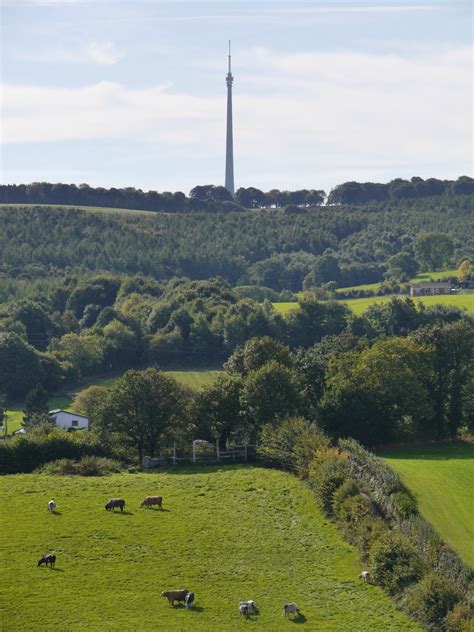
<point x="245" y="449"/>
<point x="174" y="453"/>
<point x="194" y="452"/>
<point x="218" y="453"/>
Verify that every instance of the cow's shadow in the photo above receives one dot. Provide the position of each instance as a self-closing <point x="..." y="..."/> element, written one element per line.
<point x="53" y="568"/>
<point x="300" y="618"/>
<point x="181" y="606"/>
<point x="56" y="513"/>
<point x="121" y="513"/>
<point x="158" y="509"/>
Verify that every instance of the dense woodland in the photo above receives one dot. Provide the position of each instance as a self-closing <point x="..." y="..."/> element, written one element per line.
<point x="272" y="248"/>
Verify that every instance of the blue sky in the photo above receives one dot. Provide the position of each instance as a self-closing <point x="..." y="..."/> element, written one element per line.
<point x="132" y="93"/>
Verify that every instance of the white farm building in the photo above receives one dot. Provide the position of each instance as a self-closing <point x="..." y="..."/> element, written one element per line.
<point x="69" y="421"/>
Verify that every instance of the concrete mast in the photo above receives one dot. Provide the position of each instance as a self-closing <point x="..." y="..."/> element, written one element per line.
<point x="229" y="146"/>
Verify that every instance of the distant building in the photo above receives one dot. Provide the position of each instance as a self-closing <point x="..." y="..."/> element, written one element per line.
<point x="430" y="288"/>
<point x="69" y="421"/>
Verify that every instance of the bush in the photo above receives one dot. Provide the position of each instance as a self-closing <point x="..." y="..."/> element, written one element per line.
<point x="394" y="563"/>
<point x="87" y="466"/>
<point x="348" y="489"/>
<point x="24" y="453"/>
<point x="291" y="444"/>
<point x="430" y="600"/>
<point x="460" y="619"/>
<point x="326" y="473"/>
<point x="404" y="504"/>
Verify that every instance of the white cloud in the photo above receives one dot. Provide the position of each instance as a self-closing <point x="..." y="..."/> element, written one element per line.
<point x="296" y="113"/>
<point x="103" y="53"/>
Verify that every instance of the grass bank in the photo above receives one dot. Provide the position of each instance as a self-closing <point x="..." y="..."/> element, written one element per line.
<point x="228" y="534"/>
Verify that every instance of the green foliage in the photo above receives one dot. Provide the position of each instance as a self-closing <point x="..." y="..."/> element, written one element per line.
<point x="88" y="401"/>
<point x="326" y="473"/>
<point x="433" y="250"/>
<point x="394" y="563"/>
<point x="36" y="407"/>
<point x="269" y="393"/>
<point x="216" y="410"/>
<point x="255" y="354"/>
<point x="25" y="453"/>
<point x="291" y="444"/>
<point x="379" y="394"/>
<point x="460" y="619"/>
<point x="430" y="601"/>
<point x="86" y="466"/>
<point x="144" y="409"/>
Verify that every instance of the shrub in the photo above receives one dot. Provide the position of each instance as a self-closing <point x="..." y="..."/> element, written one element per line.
<point x="291" y="444"/>
<point x="348" y="489"/>
<point x="404" y="504"/>
<point x="87" y="466"/>
<point x="326" y="473"/>
<point x="430" y="600"/>
<point x="460" y="619"/>
<point x="24" y="453"/>
<point x="365" y="534"/>
<point x="394" y="562"/>
<point x="355" y="509"/>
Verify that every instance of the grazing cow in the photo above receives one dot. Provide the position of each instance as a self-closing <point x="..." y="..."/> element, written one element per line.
<point x="115" y="502"/>
<point x="152" y="500"/>
<point x="244" y="609"/>
<point x="51" y="506"/>
<point x="47" y="559"/>
<point x="250" y="605"/>
<point x="175" y="595"/>
<point x="189" y="600"/>
<point x="365" y="575"/>
<point x="290" y="608"/>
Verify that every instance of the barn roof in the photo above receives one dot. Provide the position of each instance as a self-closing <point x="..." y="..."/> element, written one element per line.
<point x="68" y="412"/>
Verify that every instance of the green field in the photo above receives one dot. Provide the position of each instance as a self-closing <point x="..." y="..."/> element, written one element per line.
<point x="227" y="534"/>
<point x="423" y="276"/>
<point x="88" y="209"/>
<point x="360" y="305"/>
<point x="194" y="379"/>
<point x="442" y="479"/>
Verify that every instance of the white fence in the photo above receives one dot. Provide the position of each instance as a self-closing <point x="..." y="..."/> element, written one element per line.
<point x="203" y="452"/>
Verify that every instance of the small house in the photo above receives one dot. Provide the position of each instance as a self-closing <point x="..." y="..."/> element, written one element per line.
<point x="69" y="421"/>
<point x="430" y="288"/>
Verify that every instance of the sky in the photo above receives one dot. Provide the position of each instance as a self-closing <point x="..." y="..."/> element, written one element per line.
<point x="133" y="93"/>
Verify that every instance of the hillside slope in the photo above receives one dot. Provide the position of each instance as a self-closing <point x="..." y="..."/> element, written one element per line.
<point x="227" y="534"/>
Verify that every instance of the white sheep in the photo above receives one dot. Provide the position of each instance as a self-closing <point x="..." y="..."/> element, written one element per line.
<point x="365" y="575"/>
<point x="290" y="608"/>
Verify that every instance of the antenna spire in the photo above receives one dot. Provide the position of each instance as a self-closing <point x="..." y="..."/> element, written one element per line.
<point x="229" y="57"/>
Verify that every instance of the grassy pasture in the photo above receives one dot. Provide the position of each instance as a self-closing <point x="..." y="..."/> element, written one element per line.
<point x="360" y="305"/>
<point x="441" y="478"/>
<point x="419" y="278"/>
<point x="194" y="379"/>
<point x="80" y="207"/>
<point x="228" y="534"/>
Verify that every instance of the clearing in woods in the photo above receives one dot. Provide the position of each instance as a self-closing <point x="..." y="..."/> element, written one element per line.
<point x="441" y="477"/>
<point x="228" y="534"/>
<point x="360" y="305"/>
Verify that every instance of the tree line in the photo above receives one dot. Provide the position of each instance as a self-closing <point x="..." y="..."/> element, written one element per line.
<point x="218" y="199"/>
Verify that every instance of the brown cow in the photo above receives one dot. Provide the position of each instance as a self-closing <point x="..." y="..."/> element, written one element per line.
<point x="152" y="500"/>
<point x="175" y="595"/>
